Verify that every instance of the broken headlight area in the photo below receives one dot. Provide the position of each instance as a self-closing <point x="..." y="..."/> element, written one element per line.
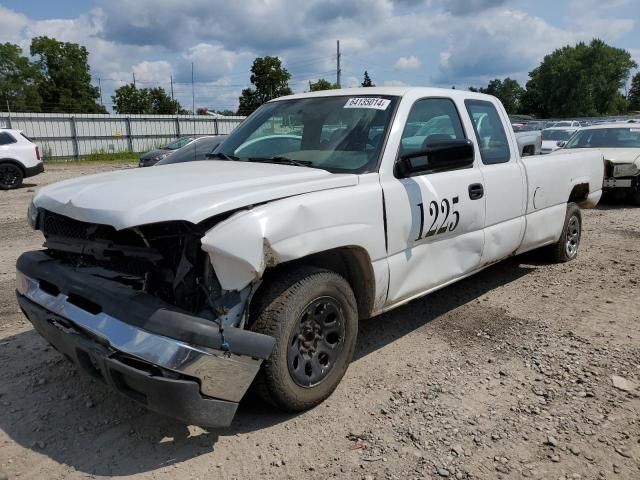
<point x="625" y="170"/>
<point x="164" y="260"/>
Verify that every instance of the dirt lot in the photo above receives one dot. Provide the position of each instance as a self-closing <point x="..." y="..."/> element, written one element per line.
<point x="508" y="374"/>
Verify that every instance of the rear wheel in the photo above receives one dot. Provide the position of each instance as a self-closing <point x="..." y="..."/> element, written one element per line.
<point x="566" y="248"/>
<point x="10" y="176"/>
<point x="312" y="314"/>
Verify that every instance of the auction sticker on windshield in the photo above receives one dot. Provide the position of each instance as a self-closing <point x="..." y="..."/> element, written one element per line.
<point x="368" y="102"/>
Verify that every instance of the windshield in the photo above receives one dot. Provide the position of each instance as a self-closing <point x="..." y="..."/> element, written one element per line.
<point x="606" y="138"/>
<point x="557" y="135"/>
<point x="196" y="150"/>
<point x="338" y="134"/>
<point x="178" y="143"/>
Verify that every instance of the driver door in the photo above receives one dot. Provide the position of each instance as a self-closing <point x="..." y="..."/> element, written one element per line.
<point x="435" y="221"/>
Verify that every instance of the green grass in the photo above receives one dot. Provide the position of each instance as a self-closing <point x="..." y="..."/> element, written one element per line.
<point x="103" y="157"/>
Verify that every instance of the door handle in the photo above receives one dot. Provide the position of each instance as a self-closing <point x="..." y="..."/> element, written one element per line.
<point x="476" y="191"/>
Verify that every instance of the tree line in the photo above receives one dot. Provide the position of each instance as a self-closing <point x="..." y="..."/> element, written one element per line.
<point x="56" y="80"/>
<point x="572" y="81"/>
<point x="584" y="80"/>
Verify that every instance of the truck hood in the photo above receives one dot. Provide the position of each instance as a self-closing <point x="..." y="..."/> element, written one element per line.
<point x="192" y="191"/>
<point x="615" y="155"/>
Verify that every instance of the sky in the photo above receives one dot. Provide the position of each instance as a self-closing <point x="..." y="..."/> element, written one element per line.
<point x="445" y="43"/>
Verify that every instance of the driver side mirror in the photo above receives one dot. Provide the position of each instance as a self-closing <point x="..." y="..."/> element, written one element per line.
<point x="561" y="143"/>
<point x="436" y="157"/>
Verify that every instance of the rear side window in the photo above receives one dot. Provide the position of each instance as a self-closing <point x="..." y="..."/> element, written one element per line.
<point x="492" y="139"/>
<point x="6" y="138"/>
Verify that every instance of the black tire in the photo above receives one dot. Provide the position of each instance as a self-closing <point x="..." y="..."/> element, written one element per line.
<point x="635" y="197"/>
<point x="11" y="176"/>
<point x="291" y="306"/>
<point x="566" y="248"/>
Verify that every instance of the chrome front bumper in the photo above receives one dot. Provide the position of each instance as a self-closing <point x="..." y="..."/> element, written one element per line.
<point x="221" y="375"/>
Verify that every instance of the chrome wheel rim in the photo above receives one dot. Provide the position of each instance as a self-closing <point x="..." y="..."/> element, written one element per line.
<point x="316" y="342"/>
<point x="573" y="236"/>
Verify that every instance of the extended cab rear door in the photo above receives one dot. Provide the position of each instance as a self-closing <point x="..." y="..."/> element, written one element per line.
<point x="434" y="220"/>
<point x="504" y="178"/>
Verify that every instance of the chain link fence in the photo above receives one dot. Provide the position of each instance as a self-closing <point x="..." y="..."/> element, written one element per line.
<point x="71" y="136"/>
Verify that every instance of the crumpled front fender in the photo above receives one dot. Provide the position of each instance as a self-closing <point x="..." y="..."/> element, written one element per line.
<point x="243" y="246"/>
<point x="236" y="250"/>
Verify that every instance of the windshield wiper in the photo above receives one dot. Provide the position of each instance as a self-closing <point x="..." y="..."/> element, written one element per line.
<point x="281" y="160"/>
<point x="221" y="155"/>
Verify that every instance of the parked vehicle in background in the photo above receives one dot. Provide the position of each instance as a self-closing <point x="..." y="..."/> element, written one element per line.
<point x="567" y="124"/>
<point x="179" y="286"/>
<point x="529" y="142"/>
<point x="531" y="126"/>
<point x="19" y="158"/>
<point x="620" y="145"/>
<point x="554" y="138"/>
<point x="151" y="158"/>
<point x="194" y="151"/>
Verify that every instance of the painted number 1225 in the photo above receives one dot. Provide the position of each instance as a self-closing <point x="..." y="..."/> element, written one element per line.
<point x="435" y="211"/>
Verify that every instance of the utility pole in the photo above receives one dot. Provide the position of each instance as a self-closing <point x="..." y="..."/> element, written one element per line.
<point x="9" y="113"/>
<point x="193" y="93"/>
<point x="338" y="70"/>
<point x="134" y="79"/>
<point x="171" y="80"/>
<point x="100" y="89"/>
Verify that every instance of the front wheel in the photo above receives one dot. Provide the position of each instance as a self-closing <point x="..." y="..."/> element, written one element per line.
<point x="313" y="316"/>
<point x="566" y="248"/>
<point x="10" y="176"/>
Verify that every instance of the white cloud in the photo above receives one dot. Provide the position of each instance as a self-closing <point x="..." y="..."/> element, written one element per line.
<point x="12" y="25"/>
<point x="492" y="45"/>
<point x="153" y="72"/>
<point x="210" y="61"/>
<point x="466" y="7"/>
<point x="394" y="83"/>
<point x="159" y="38"/>
<point x="407" y="63"/>
<point x="352" y="82"/>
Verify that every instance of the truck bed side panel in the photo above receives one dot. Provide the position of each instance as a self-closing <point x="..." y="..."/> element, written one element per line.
<point x="550" y="180"/>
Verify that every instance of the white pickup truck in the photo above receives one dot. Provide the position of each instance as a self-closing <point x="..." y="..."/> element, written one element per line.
<point x="181" y="286"/>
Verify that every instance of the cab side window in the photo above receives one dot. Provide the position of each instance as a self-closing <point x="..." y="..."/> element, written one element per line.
<point x="431" y="120"/>
<point x="492" y="139"/>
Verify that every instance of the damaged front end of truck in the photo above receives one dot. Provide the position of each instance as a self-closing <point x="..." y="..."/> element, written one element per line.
<point x="142" y="310"/>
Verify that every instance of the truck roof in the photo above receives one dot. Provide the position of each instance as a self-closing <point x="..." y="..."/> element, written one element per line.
<point x="394" y="91"/>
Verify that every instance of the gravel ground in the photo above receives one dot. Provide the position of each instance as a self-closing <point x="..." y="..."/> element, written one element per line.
<point x="526" y="370"/>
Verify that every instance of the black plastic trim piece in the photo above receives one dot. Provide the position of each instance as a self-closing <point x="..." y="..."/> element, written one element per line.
<point x="33" y="171"/>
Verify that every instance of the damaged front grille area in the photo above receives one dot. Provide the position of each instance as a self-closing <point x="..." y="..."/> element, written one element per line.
<point x="608" y="169"/>
<point x="163" y="259"/>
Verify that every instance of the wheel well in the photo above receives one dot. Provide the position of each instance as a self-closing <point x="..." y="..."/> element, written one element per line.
<point x="579" y="193"/>
<point x="14" y="162"/>
<point x="352" y="263"/>
<point x="528" y="150"/>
